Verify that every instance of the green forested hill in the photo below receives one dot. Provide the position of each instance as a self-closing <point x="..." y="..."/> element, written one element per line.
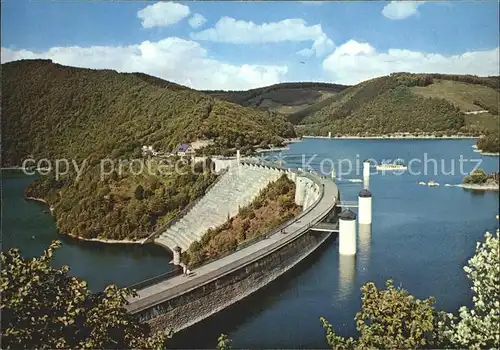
<point x="57" y="112"/>
<point x="51" y="110"/>
<point x="415" y="103"/>
<point x="159" y="82"/>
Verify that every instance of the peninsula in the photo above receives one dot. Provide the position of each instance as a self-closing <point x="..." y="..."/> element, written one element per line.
<point x="479" y="180"/>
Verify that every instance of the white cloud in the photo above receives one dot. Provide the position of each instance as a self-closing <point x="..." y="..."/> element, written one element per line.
<point x="197" y="20"/>
<point x="354" y="62"/>
<point x="401" y="9"/>
<point x="230" y="30"/>
<point x="174" y="59"/>
<point x="162" y="14"/>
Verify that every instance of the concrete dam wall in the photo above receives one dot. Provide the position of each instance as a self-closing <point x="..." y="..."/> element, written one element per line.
<point x="203" y="301"/>
<point x="181" y="301"/>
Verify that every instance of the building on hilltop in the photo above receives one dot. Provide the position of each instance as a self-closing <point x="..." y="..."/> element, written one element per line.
<point x="184" y="149"/>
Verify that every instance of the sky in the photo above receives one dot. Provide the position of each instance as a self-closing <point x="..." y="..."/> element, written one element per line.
<point x="244" y="45"/>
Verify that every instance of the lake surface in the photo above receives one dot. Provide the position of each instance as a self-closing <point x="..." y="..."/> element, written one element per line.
<point x="27" y="225"/>
<point x="421" y="238"/>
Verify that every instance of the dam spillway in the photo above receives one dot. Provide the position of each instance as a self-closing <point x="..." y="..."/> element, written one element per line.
<point x="236" y="188"/>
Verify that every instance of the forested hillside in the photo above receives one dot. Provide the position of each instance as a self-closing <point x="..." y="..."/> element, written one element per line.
<point x="284" y="98"/>
<point x="52" y="111"/>
<point x="416" y="103"/>
<point x="56" y="112"/>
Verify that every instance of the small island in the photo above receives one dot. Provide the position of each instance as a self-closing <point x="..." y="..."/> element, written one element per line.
<point x="479" y="180"/>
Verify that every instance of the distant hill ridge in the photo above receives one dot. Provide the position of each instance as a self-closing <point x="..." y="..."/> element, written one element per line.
<point x="404" y="102"/>
<point x="283" y="98"/>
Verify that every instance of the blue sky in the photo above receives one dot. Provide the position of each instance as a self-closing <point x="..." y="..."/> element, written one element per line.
<point x="240" y="45"/>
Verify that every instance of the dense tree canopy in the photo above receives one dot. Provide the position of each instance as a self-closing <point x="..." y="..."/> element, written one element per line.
<point x="392" y="319"/>
<point x="489" y="143"/>
<point x="45" y="308"/>
<point x="124" y="206"/>
<point x="479" y="327"/>
<point x="390" y="105"/>
<point x="479" y="177"/>
<point x="54" y="111"/>
<point x="88" y="117"/>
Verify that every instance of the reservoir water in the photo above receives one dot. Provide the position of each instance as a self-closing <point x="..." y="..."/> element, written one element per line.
<point x="27" y="225"/>
<point x="421" y="238"/>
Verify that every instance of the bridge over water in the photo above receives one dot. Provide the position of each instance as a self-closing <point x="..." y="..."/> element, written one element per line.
<point x="180" y="301"/>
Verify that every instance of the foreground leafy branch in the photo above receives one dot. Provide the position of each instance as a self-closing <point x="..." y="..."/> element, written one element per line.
<point x="479" y="327"/>
<point x="44" y="307"/>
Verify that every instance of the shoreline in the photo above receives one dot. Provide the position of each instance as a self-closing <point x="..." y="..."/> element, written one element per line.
<point x="273" y="149"/>
<point x="393" y="137"/>
<point x="489" y="154"/>
<point x="107" y="241"/>
<point x="483" y="153"/>
<point x="480" y="187"/>
<point x="294" y="140"/>
<point x="36" y="200"/>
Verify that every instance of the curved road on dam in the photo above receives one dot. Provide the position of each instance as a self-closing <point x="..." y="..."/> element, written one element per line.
<point x="178" y="285"/>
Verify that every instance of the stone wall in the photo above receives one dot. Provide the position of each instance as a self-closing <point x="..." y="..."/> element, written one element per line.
<point x="193" y="306"/>
<point x="306" y="191"/>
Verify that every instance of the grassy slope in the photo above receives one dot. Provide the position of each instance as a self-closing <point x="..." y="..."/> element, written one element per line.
<point x="409" y="103"/>
<point x="52" y="111"/>
<point x="470" y="97"/>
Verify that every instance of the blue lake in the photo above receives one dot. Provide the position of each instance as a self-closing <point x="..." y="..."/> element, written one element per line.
<point x="421" y="238"/>
<point x="27" y="225"/>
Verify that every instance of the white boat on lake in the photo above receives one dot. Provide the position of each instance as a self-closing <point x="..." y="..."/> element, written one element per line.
<point x="391" y="167"/>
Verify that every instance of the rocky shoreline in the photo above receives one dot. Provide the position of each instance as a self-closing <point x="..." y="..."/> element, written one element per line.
<point x="271" y="149"/>
<point x="51" y="208"/>
<point x="108" y="241"/>
<point x="485" y="187"/>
